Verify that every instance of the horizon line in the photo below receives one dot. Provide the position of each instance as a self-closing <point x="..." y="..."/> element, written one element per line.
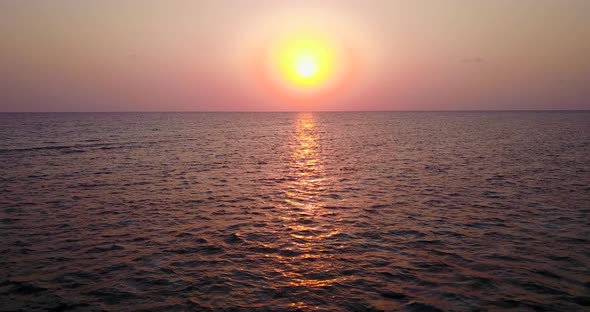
<point x="303" y="111"/>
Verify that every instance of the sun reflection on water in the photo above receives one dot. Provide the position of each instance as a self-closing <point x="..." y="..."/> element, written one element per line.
<point x="306" y="167"/>
<point x="308" y="264"/>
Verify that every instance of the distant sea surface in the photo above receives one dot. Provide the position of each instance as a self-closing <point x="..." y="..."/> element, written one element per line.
<point x="451" y="211"/>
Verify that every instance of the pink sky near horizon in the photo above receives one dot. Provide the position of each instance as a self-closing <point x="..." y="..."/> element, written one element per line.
<point x="178" y="55"/>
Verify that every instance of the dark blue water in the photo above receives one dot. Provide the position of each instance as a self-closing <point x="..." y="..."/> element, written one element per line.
<point x="295" y="212"/>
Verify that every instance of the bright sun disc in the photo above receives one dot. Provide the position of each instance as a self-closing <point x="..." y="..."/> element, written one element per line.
<point x="304" y="62"/>
<point x="306" y="67"/>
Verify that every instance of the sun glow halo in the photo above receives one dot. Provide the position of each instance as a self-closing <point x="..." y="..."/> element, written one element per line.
<point x="305" y="63"/>
<point x="307" y="55"/>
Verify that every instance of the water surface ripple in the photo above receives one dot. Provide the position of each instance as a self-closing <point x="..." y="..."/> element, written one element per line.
<point x="295" y="212"/>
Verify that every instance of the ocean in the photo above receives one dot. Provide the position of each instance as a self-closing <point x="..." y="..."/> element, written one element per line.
<point x="367" y="211"/>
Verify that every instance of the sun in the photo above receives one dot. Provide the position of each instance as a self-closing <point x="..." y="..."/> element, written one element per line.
<point x="305" y="62"/>
<point x="306" y="66"/>
<point x="305" y="56"/>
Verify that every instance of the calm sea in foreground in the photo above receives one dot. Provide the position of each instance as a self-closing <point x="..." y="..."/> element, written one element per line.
<point x="295" y="211"/>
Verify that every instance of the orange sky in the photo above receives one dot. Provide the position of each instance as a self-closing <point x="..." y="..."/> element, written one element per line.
<point x="207" y="55"/>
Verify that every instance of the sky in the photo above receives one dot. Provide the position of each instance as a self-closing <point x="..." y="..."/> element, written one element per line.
<point x="181" y="55"/>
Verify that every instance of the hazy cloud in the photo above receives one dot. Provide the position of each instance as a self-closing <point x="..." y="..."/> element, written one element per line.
<point x="473" y="60"/>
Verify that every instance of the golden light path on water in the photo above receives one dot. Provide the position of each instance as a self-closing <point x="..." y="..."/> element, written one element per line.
<point x="304" y="213"/>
